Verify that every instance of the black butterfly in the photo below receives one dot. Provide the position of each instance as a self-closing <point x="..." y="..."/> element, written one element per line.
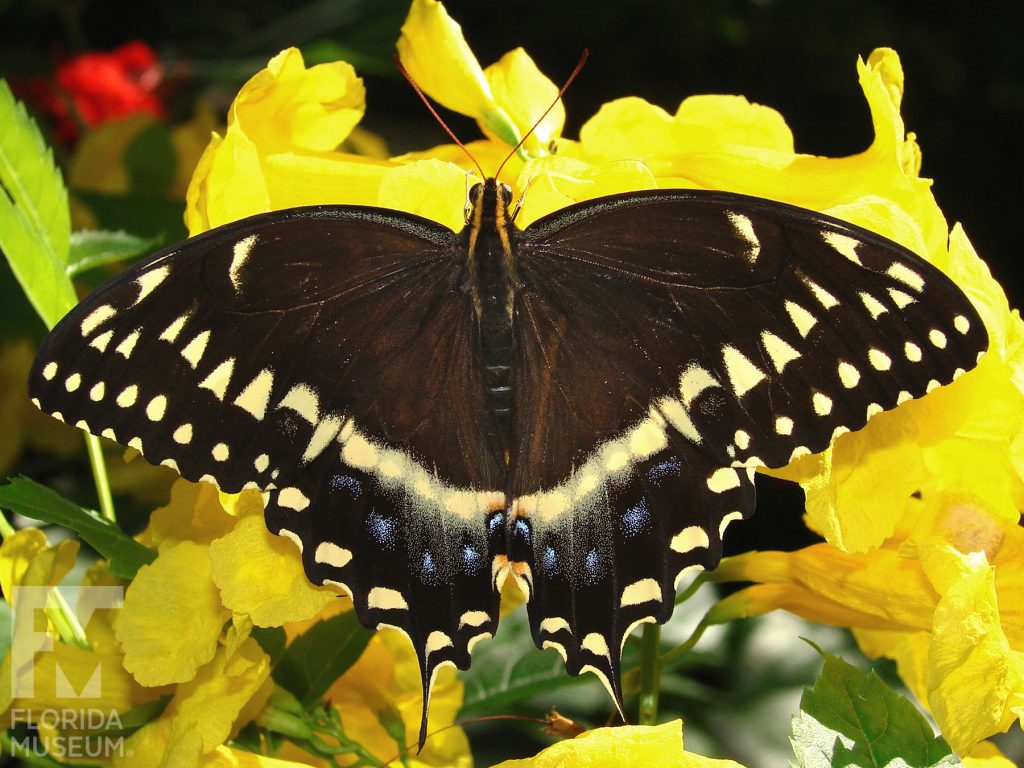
<point x="581" y="404"/>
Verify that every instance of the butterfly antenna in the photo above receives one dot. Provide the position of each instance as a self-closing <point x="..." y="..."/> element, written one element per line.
<point x="561" y="91"/>
<point x="449" y="131"/>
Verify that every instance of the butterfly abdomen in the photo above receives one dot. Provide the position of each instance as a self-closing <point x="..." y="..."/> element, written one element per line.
<point x="491" y="281"/>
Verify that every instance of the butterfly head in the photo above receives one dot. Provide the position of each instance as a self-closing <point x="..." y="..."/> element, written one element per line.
<point x="490" y="200"/>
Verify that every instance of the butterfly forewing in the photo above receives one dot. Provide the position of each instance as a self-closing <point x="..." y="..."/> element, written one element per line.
<point x="327" y="357"/>
<point x="668" y="344"/>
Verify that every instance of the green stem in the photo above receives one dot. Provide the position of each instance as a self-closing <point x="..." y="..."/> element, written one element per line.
<point x="99" y="473"/>
<point x="691" y="590"/>
<point x="679" y="651"/>
<point x="650" y="674"/>
<point x="65" y="621"/>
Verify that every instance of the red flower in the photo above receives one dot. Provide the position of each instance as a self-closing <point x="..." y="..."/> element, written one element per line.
<point x="95" y="87"/>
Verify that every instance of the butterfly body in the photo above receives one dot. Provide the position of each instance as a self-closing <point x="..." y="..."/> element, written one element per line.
<point x="580" y="404"/>
<point x="489" y="239"/>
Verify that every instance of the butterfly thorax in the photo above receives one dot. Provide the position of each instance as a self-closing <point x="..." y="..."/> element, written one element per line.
<point x="490" y="281"/>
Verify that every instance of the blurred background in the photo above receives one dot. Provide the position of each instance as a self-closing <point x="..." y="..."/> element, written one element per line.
<point x="964" y="100"/>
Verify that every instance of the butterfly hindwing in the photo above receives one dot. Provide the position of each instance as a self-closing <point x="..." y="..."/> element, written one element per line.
<point x="704" y="335"/>
<point x="327" y="357"/>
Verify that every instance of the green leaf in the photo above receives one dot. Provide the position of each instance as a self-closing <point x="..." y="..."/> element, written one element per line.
<point x="27" y="497"/>
<point x="150" y="161"/>
<point x="273" y="641"/>
<point x="35" y="224"/>
<point x="92" y="248"/>
<point x="145" y="215"/>
<point x="502" y="675"/>
<point x="319" y="656"/>
<point x="852" y="718"/>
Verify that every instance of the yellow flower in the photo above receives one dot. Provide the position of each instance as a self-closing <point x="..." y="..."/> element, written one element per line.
<point x="172" y="617"/>
<point x="242" y="561"/>
<point x="942" y="598"/>
<point x="660" y="745"/>
<point x="206" y="711"/>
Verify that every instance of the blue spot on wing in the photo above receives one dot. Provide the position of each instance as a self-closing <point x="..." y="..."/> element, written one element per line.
<point x="670" y="467"/>
<point x="592" y="568"/>
<point x="471" y="559"/>
<point x="347" y="484"/>
<point x="383" y="530"/>
<point x="636" y="519"/>
<point x="549" y="561"/>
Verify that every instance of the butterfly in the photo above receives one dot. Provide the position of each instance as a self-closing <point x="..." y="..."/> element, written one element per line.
<point x="580" y="404"/>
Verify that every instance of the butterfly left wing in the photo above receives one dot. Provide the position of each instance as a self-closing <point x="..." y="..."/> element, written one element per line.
<point x="326" y="356"/>
<point x="668" y="343"/>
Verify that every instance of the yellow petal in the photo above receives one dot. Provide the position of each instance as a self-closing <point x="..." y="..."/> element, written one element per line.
<point x="908" y="649"/>
<point x="194" y="513"/>
<point x="550" y="183"/>
<point x="524" y="92"/>
<point x="762" y="598"/>
<point x="228" y="184"/>
<point x="149" y="746"/>
<point x="986" y="755"/>
<point x="172" y="617"/>
<point x="973" y="673"/>
<point x="660" y="745"/>
<point x="879" y="583"/>
<point x="429" y="188"/>
<point x="313" y="109"/>
<point x="295" y="179"/>
<point x="16" y="553"/>
<point x="243" y="504"/>
<point x="634" y="128"/>
<point x="437" y="57"/>
<point x="260" y="575"/>
<point x="72" y="679"/>
<point x="212" y="702"/>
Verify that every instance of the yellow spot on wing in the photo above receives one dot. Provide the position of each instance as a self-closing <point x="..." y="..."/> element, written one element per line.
<point x="386" y="599"/>
<point x="690" y="538"/>
<point x="218" y="380"/>
<point x="330" y="553"/>
<point x="256" y="395"/>
<point x="743" y="374"/>
<point x="643" y="591"/>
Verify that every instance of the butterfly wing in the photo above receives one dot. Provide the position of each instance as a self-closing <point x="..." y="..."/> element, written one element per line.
<point x="668" y="343"/>
<point x="326" y="356"/>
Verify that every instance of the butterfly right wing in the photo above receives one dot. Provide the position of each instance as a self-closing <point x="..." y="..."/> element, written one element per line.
<point x="328" y="357"/>
<point x="670" y="342"/>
